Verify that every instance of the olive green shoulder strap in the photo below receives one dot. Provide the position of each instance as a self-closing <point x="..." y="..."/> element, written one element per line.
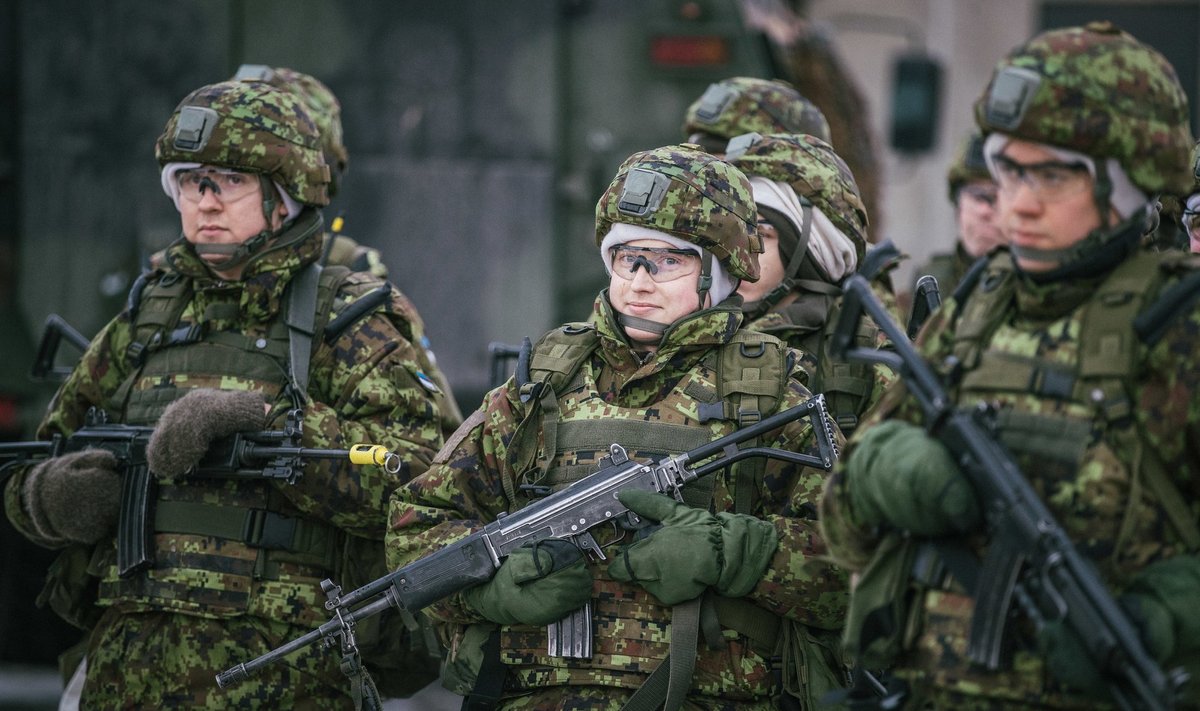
<point x="985" y="305"/>
<point x="752" y="372"/>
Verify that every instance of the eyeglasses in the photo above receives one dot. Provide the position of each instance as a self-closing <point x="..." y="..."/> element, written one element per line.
<point x="1191" y="221"/>
<point x="227" y="185"/>
<point x="661" y="263"/>
<point x="1049" y="180"/>
<point x="985" y="194"/>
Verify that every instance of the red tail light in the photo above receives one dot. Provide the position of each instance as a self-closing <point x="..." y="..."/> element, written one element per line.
<point x="689" y="51"/>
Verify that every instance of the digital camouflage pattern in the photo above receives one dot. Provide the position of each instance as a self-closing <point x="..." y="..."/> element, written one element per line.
<point x="968" y="165"/>
<point x="322" y="105"/>
<point x="1082" y="457"/>
<point x="707" y="202"/>
<point x="477" y="478"/>
<point x="259" y="129"/>
<point x="740" y="105"/>
<point x="367" y="386"/>
<point x="814" y="171"/>
<point x="1104" y="94"/>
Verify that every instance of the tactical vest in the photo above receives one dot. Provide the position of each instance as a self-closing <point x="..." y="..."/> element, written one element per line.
<point x="1093" y="391"/>
<point x="219" y="543"/>
<point x="1058" y="415"/>
<point x="848" y="387"/>
<point x="576" y="426"/>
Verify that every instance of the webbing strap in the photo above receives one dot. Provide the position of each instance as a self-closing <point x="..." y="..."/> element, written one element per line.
<point x="761" y="627"/>
<point x="668" y="684"/>
<point x="258" y="528"/>
<point x="300" y="319"/>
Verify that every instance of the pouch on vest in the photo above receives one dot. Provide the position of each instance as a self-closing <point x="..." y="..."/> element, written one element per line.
<point x="460" y="671"/>
<point x="878" y="620"/>
<point x="812" y="665"/>
<point x="70" y="590"/>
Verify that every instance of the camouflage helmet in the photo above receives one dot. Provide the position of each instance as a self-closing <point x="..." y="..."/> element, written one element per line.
<point x="690" y="194"/>
<point x="1096" y="90"/>
<point x="322" y="105"/>
<point x="1195" y="166"/>
<point x="813" y="170"/>
<point x="745" y="104"/>
<point x="253" y="127"/>
<point x="968" y="164"/>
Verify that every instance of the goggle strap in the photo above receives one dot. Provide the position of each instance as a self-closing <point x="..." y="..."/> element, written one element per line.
<point x="704" y="283"/>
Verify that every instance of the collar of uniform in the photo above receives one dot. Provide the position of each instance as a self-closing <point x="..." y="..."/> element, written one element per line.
<point x="297" y="245"/>
<point x="1042" y="303"/>
<point x="698" y="331"/>
<point x="265" y="277"/>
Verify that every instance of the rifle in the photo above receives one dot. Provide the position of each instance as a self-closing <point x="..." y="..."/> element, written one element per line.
<point x="245" y="455"/>
<point x="926" y="299"/>
<point x="568" y="514"/>
<point x="55" y="330"/>
<point x="1030" y="559"/>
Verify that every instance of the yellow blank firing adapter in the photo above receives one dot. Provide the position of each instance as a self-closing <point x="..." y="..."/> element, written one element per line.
<point x="375" y="454"/>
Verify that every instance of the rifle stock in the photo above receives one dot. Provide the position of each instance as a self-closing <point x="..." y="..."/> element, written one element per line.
<point x="569" y="514"/>
<point x="1030" y="559"/>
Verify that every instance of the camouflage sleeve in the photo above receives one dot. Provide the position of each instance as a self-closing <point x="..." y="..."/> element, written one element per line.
<point x="462" y="491"/>
<point x="96" y="376"/>
<point x="1169" y="403"/>
<point x="801" y="581"/>
<point x="367" y="387"/>
<point x="849" y="543"/>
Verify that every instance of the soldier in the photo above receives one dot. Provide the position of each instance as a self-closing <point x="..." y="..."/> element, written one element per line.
<point x="1191" y="210"/>
<point x="1084" y="345"/>
<point x="813" y="226"/>
<point x="740" y="105"/>
<point x="214" y="344"/>
<point x="661" y="367"/>
<point x="973" y="194"/>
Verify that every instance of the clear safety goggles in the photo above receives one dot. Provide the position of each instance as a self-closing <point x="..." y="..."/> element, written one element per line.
<point x="1049" y="180"/>
<point x="661" y="263"/>
<point x="985" y="194"/>
<point x="227" y="185"/>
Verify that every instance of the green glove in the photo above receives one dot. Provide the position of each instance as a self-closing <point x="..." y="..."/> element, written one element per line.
<point x="536" y="585"/>
<point x="693" y="550"/>
<point x="1159" y="603"/>
<point x="899" y="476"/>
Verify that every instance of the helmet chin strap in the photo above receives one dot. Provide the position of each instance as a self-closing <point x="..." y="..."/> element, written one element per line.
<point x="754" y="309"/>
<point x="239" y="254"/>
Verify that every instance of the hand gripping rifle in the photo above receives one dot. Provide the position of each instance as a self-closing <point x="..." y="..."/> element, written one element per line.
<point x="1030" y="558"/>
<point x="568" y="514"/>
<point x="253" y="455"/>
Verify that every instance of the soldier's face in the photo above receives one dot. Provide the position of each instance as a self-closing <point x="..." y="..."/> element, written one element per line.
<point x="217" y="219"/>
<point x="661" y="302"/>
<point x="976" y="213"/>
<point x="770" y="265"/>
<point x="1030" y="220"/>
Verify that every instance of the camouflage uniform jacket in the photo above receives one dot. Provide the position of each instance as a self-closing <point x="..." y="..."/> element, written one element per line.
<point x="807" y="324"/>
<point x="365" y="386"/>
<point x="948" y="268"/>
<point x="1082" y="442"/>
<point x="471" y="485"/>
